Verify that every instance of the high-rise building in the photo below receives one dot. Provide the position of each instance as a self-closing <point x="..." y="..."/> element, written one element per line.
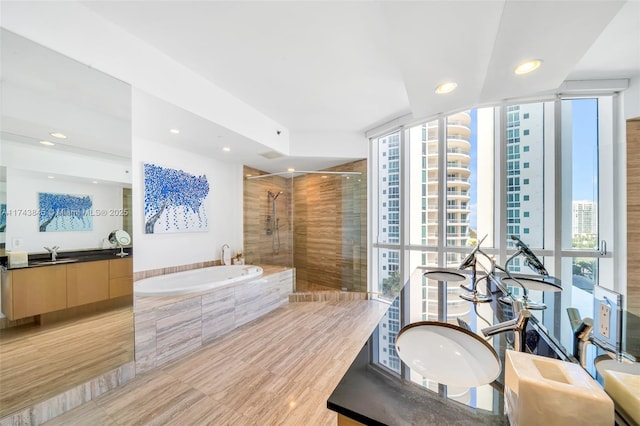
<point x="525" y="173"/>
<point x="423" y="217"/>
<point x="389" y="233"/>
<point x="585" y="218"/>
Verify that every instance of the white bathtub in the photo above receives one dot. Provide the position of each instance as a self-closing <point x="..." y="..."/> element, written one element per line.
<point x="195" y="280"/>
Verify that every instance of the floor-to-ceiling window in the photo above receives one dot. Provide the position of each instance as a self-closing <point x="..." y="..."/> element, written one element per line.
<point x="536" y="171"/>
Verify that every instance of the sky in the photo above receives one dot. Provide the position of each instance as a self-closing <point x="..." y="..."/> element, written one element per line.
<point x="585" y="143"/>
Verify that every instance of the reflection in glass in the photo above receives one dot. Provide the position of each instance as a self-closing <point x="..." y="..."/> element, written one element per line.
<point x="386" y="334"/>
<point x="45" y="92"/>
<point x="388" y="214"/>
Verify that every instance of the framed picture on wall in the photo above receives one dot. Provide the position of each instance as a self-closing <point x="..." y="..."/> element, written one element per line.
<point x="64" y="212"/>
<point x="174" y="200"/>
<point x="3" y="217"/>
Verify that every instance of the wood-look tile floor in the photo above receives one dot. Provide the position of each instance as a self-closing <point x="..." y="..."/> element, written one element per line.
<point x="279" y="369"/>
<point x="38" y="362"/>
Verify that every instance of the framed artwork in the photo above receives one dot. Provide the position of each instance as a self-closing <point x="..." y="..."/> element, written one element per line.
<point x="174" y="200"/>
<point x="64" y="212"/>
<point x="3" y="217"/>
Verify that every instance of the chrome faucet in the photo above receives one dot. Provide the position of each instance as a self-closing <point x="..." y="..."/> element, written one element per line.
<point x="54" y="252"/>
<point x="581" y="335"/>
<point x="518" y="325"/>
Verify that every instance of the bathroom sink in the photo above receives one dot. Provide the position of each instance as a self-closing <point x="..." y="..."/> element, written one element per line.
<point x="621" y="382"/>
<point x="53" y="262"/>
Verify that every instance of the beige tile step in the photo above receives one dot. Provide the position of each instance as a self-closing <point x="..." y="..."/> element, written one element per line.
<point x="328" y="295"/>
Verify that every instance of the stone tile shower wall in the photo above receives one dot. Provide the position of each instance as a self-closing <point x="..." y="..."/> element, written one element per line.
<point x="258" y="245"/>
<point x="330" y="229"/>
<point x="327" y="238"/>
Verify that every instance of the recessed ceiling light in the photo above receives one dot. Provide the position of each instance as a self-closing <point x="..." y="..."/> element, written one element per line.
<point x="226" y="149"/>
<point x="47" y="143"/>
<point x="174" y="131"/>
<point x="291" y="169"/>
<point x="528" y="66"/>
<point x="58" y="135"/>
<point x="94" y="181"/>
<point x="447" y="87"/>
<point x="51" y="177"/>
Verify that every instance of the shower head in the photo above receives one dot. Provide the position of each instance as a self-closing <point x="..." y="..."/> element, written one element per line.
<point x="276" y="195"/>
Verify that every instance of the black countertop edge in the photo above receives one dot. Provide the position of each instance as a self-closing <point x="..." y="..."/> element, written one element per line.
<point x="372" y="397"/>
<point x="90" y="255"/>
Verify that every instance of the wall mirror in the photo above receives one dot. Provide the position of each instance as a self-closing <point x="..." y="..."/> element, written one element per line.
<point x="65" y="129"/>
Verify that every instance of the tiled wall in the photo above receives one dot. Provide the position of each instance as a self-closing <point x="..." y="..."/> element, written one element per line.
<point x="257" y="209"/>
<point x="325" y="233"/>
<point x="330" y="229"/>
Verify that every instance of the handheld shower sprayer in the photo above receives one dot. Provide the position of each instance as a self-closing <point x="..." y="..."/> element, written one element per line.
<point x="273" y="222"/>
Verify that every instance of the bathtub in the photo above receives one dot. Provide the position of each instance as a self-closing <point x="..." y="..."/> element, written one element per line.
<point x="201" y="306"/>
<point x="195" y="280"/>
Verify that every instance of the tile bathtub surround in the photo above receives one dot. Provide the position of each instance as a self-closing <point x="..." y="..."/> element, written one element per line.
<point x="170" y="327"/>
<point x="172" y="269"/>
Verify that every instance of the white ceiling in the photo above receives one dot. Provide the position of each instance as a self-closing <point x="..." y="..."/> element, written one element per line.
<point x="348" y="66"/>
<point x="352" y="65"/>
<point x="44" y="91"/>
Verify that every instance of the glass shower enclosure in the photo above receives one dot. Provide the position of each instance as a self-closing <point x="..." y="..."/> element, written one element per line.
<point x="312" y="221"/>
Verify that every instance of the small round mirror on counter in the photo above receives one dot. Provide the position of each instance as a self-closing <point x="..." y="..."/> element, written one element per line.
<point x="120" y="238"/>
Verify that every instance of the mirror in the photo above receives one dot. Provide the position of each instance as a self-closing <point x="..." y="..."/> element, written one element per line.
<point x="65" y="132"/>
<point x="120" y="238"/>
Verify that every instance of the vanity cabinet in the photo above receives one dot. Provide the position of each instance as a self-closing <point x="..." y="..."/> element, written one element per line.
<point x="33" y="291"/>
<point x="87" y="282"/>
<point x="120" y="277"/>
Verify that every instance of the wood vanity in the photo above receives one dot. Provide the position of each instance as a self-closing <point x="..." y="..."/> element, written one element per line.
<point x="38" y="290"/>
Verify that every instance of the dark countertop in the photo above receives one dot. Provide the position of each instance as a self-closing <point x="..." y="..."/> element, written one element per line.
<point x="370" y="396"/>
<point x="373" y="394"/>
<point x="90" y="255"/>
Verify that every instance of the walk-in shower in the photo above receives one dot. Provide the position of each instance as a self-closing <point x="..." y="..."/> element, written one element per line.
<point x="273" y="222"/>
<point x="314" y="221"/>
